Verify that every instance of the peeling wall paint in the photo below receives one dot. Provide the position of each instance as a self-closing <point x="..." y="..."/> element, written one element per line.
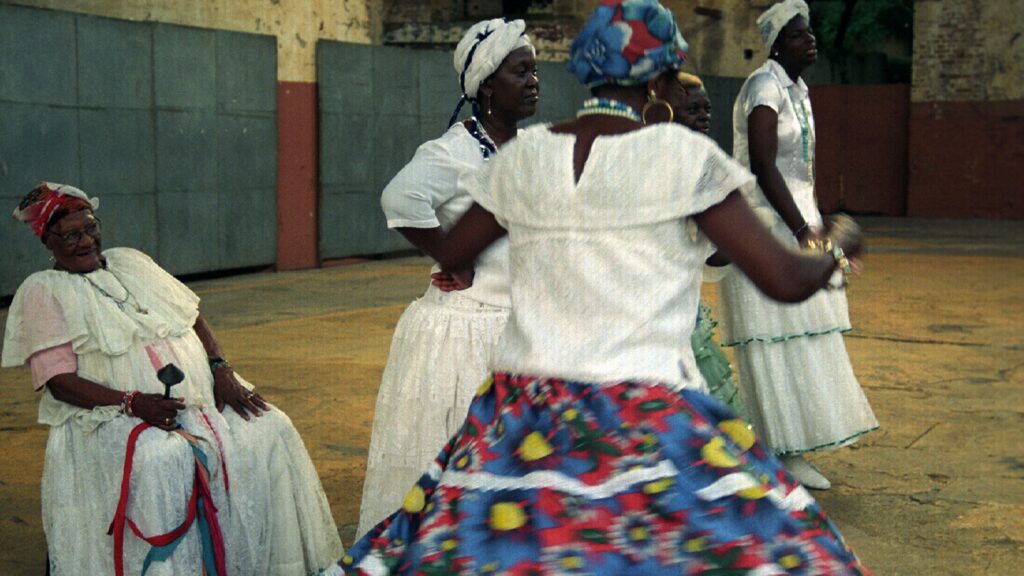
<point x="297" y="24"/>
<point x="718" y="36"/>
<point x="968" y="50"/>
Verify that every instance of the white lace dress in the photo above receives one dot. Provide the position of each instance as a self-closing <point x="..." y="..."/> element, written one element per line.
<point x="271" y="507"/>
<point x="795" y="376"/>
<point x="444" y="341"/>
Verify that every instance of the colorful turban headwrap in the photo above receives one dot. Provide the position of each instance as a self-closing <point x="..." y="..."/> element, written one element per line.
<point x="46" y="199"/>
<point x="775" y="18"/>
<point x="480" y="53"/>
<point x="626" y="42"/>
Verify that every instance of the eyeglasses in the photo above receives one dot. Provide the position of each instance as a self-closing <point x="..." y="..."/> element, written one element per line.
<point x="71" y="239"/>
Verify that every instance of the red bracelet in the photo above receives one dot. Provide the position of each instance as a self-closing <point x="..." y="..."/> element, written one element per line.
<point x="128" y="403"/>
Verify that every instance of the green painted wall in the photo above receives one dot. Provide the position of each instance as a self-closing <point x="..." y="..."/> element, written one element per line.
<point x="173" y="128"/>
<point x="378" y="103"/>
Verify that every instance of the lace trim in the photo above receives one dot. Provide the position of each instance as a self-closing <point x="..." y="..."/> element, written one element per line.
<point x="777" y="339"/>
<point x="836" y="444"/>
<point x="549" y="479"/>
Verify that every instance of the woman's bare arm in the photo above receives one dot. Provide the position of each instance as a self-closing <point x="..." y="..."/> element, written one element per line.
<point x="471" y="235"/>
<point x="780" y="272"/>
<point x="79" y="391"/>
<point x="226" y="387"/>
<point x="762" y="133"/>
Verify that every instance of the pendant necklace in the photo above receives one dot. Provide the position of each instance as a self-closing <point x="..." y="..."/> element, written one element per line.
<point x="806" y="135"/>
<point x="128" y="296"/>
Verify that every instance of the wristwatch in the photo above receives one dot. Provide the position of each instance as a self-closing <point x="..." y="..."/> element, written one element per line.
<point x="216" y="363"/>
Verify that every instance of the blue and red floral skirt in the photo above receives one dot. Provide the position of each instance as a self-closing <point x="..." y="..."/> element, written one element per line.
<point x="554" y="477"/>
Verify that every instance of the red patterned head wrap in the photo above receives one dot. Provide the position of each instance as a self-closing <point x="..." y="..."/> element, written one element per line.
<point x="39" y="206"/>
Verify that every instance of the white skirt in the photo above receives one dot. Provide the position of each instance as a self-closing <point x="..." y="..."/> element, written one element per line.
<point x="440" y="355"/>
<point x="801" y="394"/>
<point x="273" y="513"/>
<point x="795" y="376"/>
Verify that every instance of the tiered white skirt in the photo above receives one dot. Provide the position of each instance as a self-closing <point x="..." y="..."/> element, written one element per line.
<point x="796" y="379"/>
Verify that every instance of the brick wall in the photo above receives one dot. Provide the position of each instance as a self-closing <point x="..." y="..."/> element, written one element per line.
<point x="719" y="35"/>
<point x="968" y="50"/>
<point x="966" y="157"/>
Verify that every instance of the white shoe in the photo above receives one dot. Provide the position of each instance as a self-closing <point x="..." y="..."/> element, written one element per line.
<point x="805" y="473"/>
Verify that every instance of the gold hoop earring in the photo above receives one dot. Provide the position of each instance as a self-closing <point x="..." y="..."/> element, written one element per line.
<point x="653" y="100"/>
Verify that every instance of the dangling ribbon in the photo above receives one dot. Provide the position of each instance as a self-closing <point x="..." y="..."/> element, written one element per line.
<point x="200" y="505"/>
<point x="158" y="364"/>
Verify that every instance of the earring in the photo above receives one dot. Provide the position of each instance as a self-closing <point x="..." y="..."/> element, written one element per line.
<point x="652" y="101"/>
<point x="488" y="105"/>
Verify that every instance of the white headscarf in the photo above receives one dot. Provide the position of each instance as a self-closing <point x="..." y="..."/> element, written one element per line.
<point x="772" y="21"/>
<point x="483" y="48"/>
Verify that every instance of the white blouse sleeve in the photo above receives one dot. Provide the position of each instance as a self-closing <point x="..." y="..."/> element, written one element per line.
<point x="762" y="90"/>
<point x="35" y="322"/>
<point x="411" y="199"/>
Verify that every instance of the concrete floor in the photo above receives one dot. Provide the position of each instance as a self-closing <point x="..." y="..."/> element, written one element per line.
<point x="938" y="346"/>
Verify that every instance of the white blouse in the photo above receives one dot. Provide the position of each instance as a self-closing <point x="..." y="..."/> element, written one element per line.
<point x="432" y="190"/>
<point x="605" y="273"/>
<point x="115" y="345"/>
<point x="770" y="86"/>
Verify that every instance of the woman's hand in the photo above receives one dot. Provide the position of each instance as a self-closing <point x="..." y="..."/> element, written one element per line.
<point x="157" y="410"/>
<point x="811" y="235"/>
<point x="452" y="281"/>
<point x="227" y="390"/>
<point x="846" y="234"/>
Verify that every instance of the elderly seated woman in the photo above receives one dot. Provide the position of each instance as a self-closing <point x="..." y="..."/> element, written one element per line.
<point x="136" y="481"/>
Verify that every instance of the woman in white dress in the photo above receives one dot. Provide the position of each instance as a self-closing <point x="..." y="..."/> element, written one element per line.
<point x="444" y="340"/>
<point x="593" y="449"/>
<point x="795" y="375"/>
<point x="213" y="491"/>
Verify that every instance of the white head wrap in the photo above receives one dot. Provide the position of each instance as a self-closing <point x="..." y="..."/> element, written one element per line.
<point x="483" y="48"/>
<point x="772" y="21"/>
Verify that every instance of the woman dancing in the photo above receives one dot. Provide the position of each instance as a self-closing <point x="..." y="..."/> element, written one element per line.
<point x="694" y="112"/>
<point x="591" y="450"/>
<point x="444" y="340"/>
<point x="795" y="375"/>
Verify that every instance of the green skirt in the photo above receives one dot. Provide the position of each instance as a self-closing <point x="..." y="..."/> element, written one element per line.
<point x="713" y="365"/>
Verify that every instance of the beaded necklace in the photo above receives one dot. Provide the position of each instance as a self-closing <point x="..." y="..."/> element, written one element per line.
<point x="608" y="107"/>
<point x="476" y="130"/>
<point x="128" y="296"/>
<point x="806" y="135"/>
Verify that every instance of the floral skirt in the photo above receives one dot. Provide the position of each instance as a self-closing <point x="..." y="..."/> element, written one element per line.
<point x="554" y="477"/>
